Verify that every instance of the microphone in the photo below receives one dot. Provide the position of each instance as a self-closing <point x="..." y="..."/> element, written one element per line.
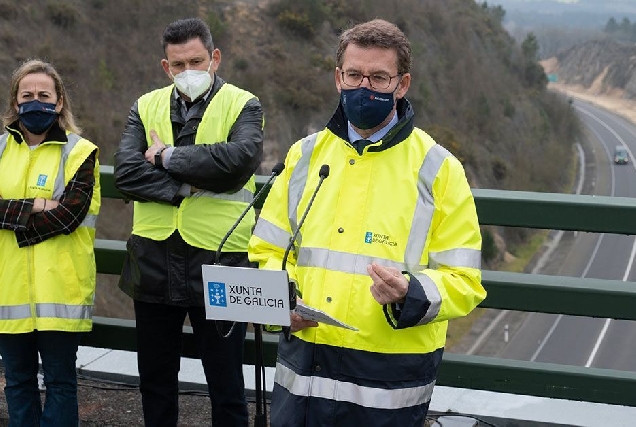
<point x="323" y="173"/>
<point x="276" y="170"/>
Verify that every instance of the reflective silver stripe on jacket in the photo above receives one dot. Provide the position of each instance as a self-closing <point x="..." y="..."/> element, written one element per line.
<point x="298" y="180"/>
<point x="64" y="311"/>
<point x="433" y="295"/>
<point x="58" y="188"/>
<point x="271" y="233"/>
<point x="342" y="391"/>
<point x="89" y="221"/>
<point x="460" y="257"/>
<point x="3" y="142"/>
<point x="15" y="312"/>
<point x="243" y="195"/>
<point x="60" y="311"/>
<point x="343" y="261"/>
<point x="356" y="263"/>
<point x="424" y="206"/>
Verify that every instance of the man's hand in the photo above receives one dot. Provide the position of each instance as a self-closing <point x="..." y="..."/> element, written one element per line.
<point x="157" y="144"/>
<point x="389" y="284"/>
<point x="298" y="323"/>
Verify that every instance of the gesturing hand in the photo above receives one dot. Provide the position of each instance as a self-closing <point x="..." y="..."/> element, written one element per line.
<point x="389" y="284"/>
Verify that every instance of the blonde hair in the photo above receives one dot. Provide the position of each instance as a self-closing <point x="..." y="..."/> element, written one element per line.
<point x="66" y="120"/>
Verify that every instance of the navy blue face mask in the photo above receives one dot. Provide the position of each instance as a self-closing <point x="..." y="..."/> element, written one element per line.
<point x="37" y="117"/>
<point x="366" y="108"/>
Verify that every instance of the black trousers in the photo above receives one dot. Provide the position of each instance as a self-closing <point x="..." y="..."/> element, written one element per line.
<point x="159" y="342"/>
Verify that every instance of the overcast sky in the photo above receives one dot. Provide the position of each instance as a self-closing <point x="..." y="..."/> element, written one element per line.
<point x="598" y="6"/>
<point x="592" y="14"/>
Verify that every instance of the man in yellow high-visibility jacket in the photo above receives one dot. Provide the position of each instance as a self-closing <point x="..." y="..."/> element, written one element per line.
<point x="187" y="158"/>
<point x="390" y="247"/>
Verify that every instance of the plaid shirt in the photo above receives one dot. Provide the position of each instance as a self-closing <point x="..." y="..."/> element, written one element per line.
<point x="30" y="229"/>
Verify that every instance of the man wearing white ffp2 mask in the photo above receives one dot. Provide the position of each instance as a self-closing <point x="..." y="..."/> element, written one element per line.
<point x="193" y="83"/>
<point x="189" y="152"/>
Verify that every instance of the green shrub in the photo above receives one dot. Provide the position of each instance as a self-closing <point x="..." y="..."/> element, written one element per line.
<point x="499" y="169"/>
<point x="298" y="24"/>
<point x="105" y="75"/>
<point x="8" y="10"/>
<point x="241" y="64"/>
<point x="217" y="26"/>
<point x="62" y="14"/>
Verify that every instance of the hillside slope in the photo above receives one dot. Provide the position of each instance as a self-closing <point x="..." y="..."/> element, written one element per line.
<point x="602" y="67"/>
<point x="470" y="81"/>
<point x="473" y="89"/>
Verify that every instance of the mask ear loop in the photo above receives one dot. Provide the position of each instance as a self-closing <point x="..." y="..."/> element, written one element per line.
<point x="395" y="90"/>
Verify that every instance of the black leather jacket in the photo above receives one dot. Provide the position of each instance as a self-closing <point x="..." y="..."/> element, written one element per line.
<point x="170" y="271"/>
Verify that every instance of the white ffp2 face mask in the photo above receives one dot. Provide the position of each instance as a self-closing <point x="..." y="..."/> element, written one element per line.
<point x="193" y="83"/>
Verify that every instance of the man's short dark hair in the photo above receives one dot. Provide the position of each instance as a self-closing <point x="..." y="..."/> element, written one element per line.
<point x="184" y="30"/>
<point x="377" y="33"/>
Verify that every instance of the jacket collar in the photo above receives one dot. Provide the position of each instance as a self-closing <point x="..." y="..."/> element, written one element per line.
<point x="55" y="133"/>
<point x="338" y="125"/>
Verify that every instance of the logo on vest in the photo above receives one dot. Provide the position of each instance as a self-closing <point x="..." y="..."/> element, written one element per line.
<point x="41" y="180"/>
<point x="216" y="294"/>
<point x="383" y="239"/>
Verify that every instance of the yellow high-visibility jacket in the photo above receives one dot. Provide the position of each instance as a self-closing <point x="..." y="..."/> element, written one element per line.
<point x="404" y="202"/>
<point x="48" y="286"/>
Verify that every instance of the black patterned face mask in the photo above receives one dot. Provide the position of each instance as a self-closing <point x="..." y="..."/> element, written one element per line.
<point x="37" y="117"/>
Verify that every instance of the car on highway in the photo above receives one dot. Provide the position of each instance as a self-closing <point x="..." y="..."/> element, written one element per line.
<point x="620" y="155"/>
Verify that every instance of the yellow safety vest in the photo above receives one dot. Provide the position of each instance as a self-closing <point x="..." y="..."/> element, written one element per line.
<point x="386" y="207"/>
<point x="49" y="286"/>
<point x="204" y="217"/>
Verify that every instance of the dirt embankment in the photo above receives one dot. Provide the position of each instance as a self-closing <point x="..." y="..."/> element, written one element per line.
<point x="612" y="101"/>
<point x="595" y="88"/>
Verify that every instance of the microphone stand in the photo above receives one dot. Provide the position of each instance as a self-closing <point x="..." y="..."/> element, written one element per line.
<point x="323" y="173"/>
<point x="260" y="418"/>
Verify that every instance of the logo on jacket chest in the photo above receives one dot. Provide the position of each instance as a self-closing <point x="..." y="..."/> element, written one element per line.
<point x="383" y="239"/>
<point x="40" y="183"/>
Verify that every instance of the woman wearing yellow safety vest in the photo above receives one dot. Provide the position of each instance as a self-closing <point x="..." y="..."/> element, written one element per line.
<point x="391" y="247"/>
<point x="49" y="200"/>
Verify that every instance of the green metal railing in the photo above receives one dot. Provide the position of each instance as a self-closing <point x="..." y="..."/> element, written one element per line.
<point x="510" y="291"/>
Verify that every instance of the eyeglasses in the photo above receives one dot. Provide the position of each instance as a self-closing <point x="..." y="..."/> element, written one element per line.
<point x="376" y="81"/>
